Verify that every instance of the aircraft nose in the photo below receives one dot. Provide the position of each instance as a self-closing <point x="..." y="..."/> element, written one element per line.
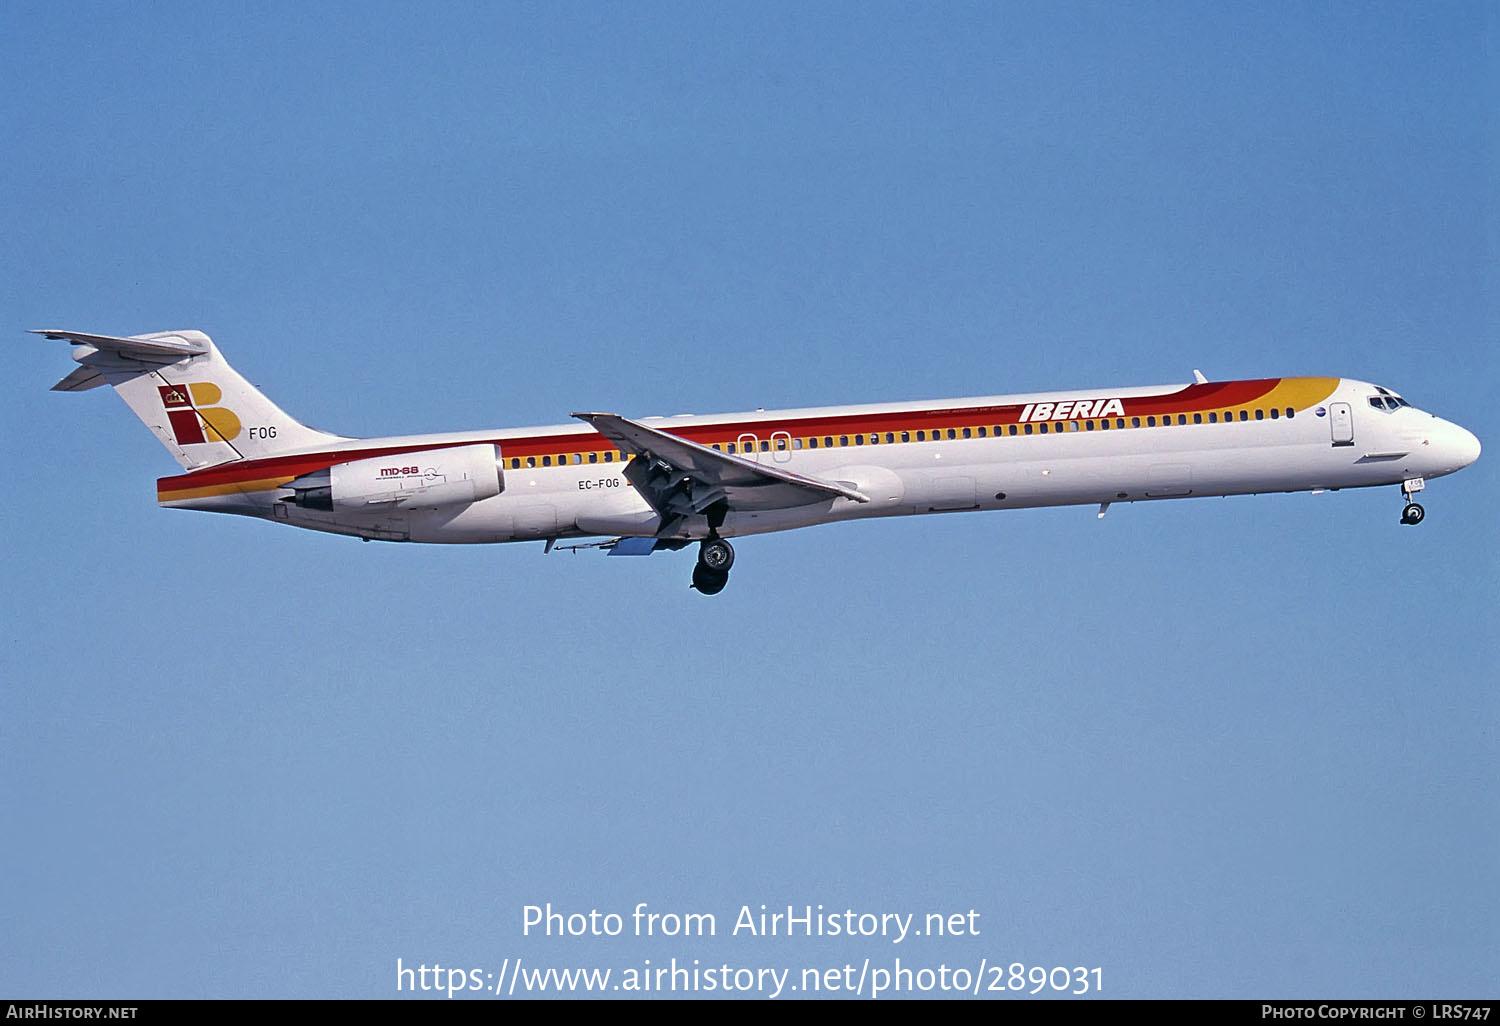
<point x="1467" y="446"/>
<point x="1459" y="446"/>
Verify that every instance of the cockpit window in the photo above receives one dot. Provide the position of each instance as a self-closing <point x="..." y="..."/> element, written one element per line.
<point x="1387" y="401"/>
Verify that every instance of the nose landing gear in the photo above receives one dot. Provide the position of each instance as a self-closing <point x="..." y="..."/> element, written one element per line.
<point x="715" y="557"/>
<point x="1413" y="513"/>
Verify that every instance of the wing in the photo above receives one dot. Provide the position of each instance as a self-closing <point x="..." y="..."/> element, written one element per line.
<point x="681" y="478"/>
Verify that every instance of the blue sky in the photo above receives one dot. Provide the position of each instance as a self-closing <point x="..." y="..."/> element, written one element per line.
<point x="1224" y="748"/>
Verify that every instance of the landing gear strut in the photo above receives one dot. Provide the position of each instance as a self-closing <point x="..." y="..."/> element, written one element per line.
<point x="715" y="557"/>
<point x="1413" y="513"/>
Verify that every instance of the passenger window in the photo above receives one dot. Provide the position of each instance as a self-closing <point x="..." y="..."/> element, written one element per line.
<point x="609" y="457"/>
<point x="859" y="439"/>
<point x="890" y="437"/>
<point x="952" y="433"/>
<point x="906" y="436"/>
<point x="1260" y="414"/>
<point x="1151" y="422"/>
<point x="731" y="447"/>
<point x="1197" y="418"/>
<point x="1244" y="415"/>
<point x="515" y="463"/>
<point x="812" y="443"/>
<point x="828" y="441"/>
<point x="1088" y="425"/>
<point x="1028" y="429"/>
<point x="1013" y="431"/>
<point x="1135" y="422"/>
<point x="1182" y="418"/>
<point x="1044" y="427"/>
<point x="796" y="443"/>
<point x="765" y="446"/>
<point x="531" y="461"/>
<point x="968" y="433"/>
<point x="1275" y="413"/>
<point x="843" y="440"/>
<point x="594" y="456"/>
<point x="1290" y="412"/>
<point x="981" y="430"/>
<point x="780" y="445"/>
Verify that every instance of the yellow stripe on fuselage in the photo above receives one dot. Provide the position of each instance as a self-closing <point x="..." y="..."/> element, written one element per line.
<point x="240" y="487"/>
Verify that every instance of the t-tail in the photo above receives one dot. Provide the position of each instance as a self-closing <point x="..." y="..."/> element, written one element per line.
<point x="192" y="400"/>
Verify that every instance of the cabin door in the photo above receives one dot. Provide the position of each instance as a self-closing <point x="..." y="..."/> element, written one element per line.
<point x="1341" y="422"/>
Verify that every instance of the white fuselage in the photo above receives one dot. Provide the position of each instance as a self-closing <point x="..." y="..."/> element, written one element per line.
<point x="997" y="452"/>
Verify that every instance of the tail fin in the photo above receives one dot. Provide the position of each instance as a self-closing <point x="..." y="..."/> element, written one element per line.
<point x="190" y="398"/>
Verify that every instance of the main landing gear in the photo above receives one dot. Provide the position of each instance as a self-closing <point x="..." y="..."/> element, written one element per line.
<point x="715" y="557"/>
<point x="1413" y="513"/>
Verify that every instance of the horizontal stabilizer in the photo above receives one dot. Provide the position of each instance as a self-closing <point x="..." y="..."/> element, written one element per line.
<point x="162" y="347"/>
<point x="81" y="380"/>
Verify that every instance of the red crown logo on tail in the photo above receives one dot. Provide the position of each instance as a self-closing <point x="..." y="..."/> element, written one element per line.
<point x="193" y="416"/>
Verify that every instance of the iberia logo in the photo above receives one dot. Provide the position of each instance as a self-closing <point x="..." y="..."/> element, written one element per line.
<point x="194" y="416"/>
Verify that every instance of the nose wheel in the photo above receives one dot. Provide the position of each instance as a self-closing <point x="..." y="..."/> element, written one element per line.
<point x="715" y="557"/>
<point x="1413" y="513"/>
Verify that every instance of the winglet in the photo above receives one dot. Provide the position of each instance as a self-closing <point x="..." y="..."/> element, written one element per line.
<point x="1198" y="376"/>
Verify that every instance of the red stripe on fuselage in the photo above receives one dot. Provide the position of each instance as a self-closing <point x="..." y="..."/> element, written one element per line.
<point x="1189" y="399"/>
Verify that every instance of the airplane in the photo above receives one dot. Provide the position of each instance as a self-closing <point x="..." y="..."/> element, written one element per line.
<point x="664" y="483"/>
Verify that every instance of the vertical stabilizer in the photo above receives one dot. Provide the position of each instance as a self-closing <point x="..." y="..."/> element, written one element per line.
<point x="181" y="388"/>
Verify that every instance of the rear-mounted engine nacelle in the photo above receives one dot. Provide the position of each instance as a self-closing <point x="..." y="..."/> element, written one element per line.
<point x="454" y="476"/>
